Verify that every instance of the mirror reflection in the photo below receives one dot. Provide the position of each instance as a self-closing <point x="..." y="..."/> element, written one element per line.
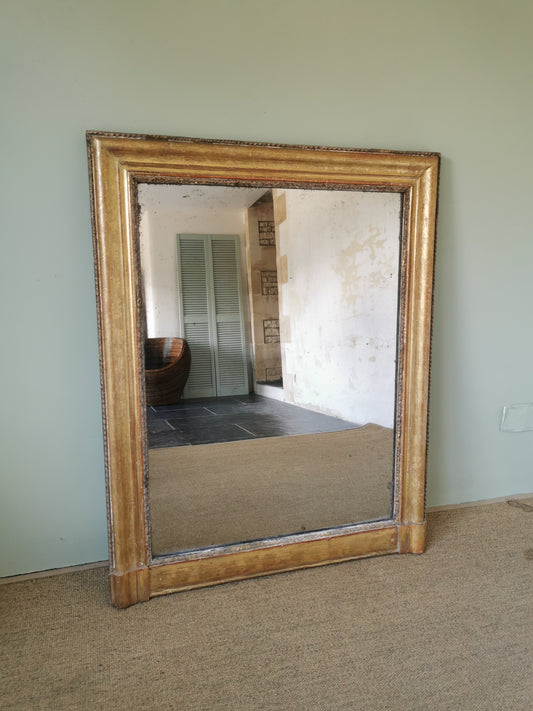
<point x="271" y="339"/>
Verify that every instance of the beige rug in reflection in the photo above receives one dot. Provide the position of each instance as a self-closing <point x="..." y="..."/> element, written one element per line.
<point x="239" y="491"/>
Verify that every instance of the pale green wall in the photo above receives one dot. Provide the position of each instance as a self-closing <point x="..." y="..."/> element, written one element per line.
<point x="451" y="76"/>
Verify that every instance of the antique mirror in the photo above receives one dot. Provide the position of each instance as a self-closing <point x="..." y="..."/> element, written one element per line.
<point x="264" y="322"/>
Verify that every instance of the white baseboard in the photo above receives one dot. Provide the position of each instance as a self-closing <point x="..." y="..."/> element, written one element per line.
<point x="271" y="391"/>
<point x="480" y="502"/>
<point x="54" y="571"/>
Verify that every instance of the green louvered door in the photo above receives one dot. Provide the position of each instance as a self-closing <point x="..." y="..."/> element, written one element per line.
<point x="211" y="314"/>
<point x="230" y="352"/>
<point x="194" y="299"/>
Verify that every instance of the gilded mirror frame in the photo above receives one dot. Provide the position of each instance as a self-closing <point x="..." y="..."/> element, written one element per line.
<point x="117" y="164"/>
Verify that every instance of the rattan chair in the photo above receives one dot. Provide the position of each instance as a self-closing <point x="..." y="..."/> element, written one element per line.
<point x="167" y="366"/>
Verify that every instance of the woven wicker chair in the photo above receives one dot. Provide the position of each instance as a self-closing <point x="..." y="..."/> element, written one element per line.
<point x="167" y="366"/>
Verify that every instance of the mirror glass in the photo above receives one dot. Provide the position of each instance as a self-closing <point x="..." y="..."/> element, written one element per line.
<point x="276" y="413"/>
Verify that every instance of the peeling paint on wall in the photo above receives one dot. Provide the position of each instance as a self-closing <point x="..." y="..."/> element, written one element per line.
<point x="338" y="301"/>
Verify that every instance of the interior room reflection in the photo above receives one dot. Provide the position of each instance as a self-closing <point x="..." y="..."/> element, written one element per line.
<point x="271" y="320"/>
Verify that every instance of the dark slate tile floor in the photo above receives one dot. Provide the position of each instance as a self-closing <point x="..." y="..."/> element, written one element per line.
<point x="229" y="419"/>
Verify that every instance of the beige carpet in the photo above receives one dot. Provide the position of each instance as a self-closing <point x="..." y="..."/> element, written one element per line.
<point x="236" y="491"/>
<point x="450" y="630"/>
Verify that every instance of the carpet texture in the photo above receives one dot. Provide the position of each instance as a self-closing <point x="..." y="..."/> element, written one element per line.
<point x="268" y="487"/>
<point x="448" y="630"/>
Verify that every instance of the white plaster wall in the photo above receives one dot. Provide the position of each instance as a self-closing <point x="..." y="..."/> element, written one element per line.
<point x="158" y="230"/>
<point x="338" y="304"/>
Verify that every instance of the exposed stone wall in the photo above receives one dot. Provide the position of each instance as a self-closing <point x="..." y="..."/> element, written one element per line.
<point x="263" y="291"/>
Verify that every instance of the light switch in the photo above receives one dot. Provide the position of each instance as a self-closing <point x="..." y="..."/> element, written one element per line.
<point x="517" y="418"/>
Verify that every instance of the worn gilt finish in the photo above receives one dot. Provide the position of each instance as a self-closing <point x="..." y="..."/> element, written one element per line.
<point x="117" y="164"/>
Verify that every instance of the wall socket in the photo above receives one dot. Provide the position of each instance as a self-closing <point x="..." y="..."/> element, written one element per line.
<point x="517" y="418"/>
